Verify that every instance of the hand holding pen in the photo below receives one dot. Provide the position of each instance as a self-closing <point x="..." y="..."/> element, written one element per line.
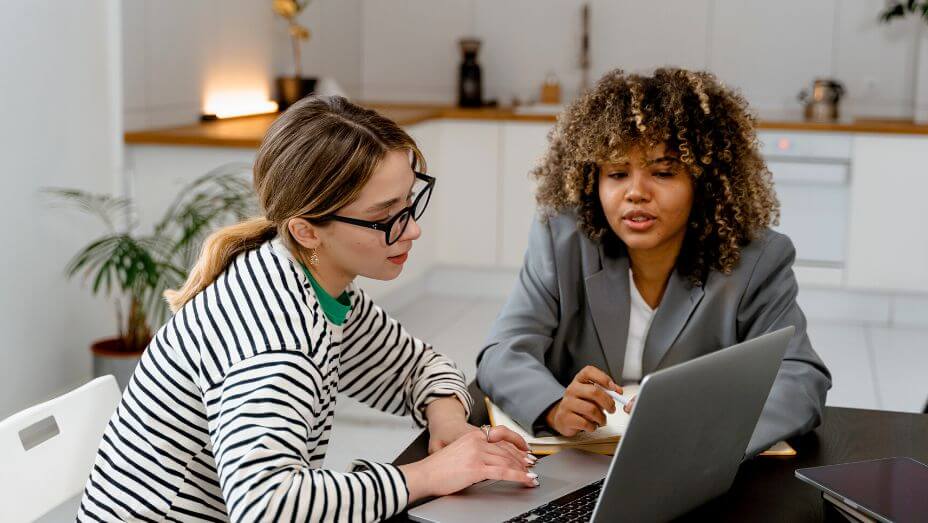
<point x="627" y="403"/>
<point x="584" y="403"/>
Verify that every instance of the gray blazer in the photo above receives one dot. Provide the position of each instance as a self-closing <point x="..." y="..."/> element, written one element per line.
<point x="570" y="308"/>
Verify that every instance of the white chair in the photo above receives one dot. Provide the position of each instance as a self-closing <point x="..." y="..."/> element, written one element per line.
<point x="47" y="451"/>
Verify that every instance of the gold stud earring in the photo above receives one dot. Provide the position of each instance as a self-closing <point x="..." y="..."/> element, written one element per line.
<point x="314" y="258"/>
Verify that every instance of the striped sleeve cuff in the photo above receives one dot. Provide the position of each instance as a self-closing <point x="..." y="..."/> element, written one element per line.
<point x="436" y="376"/>
<point x="442" y="390"/>
<point x="392" y="491"/>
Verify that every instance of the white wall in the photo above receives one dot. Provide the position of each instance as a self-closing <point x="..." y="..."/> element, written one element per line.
<point x="334" y="47"/>
<point x="409" y="50"/>
<point x="770" y="50"/>
<point x="921" y="91"/>
<point x="178" y="53"/>
<point x="60" y="101"/>
<point x="876" y="61"/>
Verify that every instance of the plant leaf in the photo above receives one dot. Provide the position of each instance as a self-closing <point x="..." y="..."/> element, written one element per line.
<point x="111" y="210"/>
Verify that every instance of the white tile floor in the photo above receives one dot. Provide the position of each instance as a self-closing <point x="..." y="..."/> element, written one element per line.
<point x="872" y="367"/>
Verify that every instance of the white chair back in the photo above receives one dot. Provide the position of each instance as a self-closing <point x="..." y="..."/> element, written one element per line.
<point x="47" y="451"/>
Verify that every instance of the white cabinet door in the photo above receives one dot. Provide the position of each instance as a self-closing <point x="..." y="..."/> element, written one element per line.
<point x="466" y="193"/>
<point x="157" y="173"/>
<point x="888" y="243"/>
<point x="523" y="146"/>
<point x="424" y="250"/>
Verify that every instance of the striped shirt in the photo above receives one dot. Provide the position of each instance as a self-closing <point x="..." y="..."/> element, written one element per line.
<point x="227" y="415"/>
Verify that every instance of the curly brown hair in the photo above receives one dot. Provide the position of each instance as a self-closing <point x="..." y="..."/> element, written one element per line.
<point x="707" y="124"/>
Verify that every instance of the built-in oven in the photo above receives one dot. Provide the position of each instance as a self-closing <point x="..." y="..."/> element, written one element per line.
<point x="812" y="176"/>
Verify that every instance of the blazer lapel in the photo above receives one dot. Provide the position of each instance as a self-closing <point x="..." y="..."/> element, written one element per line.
<point x="608" y="299"/>
<point x="677" y="305"/>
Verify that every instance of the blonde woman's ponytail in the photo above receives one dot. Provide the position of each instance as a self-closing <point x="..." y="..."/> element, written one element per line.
<point x="217" y="253"/>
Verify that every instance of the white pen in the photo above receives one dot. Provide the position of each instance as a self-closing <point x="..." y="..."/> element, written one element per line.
<point x="615" y="395"/>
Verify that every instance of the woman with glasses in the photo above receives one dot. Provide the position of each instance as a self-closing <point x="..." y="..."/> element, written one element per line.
<point x="228" y="413"/>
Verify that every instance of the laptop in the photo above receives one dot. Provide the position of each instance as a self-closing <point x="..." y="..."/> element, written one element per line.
<point x="686" y="438"/>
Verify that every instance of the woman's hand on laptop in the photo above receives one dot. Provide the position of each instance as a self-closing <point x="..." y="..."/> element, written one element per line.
<point x="581" y="408"/>
<point x="447" y="421"/>
<point x="442" y="434"/>
<point x="468" y="460"/>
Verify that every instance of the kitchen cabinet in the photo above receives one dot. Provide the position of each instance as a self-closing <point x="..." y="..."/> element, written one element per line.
<point x="484" y="197"/>
<point x="467" y="193"/>
<point x="523" y="145"/>
<point x="485" y="200"/>
<point x="850" y="199"/>
<point x="888" y="242"/>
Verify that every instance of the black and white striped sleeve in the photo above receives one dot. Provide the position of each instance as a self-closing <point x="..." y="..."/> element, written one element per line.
<point x="264" y="423"/>
<point x="385" y="367"/>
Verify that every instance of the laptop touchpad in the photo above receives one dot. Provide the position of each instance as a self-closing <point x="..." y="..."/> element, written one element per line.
<point x="559" y="474"/>
<point x="491" y="501"/>
<point x="507" y="489"/>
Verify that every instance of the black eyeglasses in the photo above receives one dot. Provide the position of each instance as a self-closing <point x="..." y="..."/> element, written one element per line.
<point x="394" y="227"/>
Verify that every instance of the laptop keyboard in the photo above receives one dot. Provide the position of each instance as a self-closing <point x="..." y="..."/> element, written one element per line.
<point x="576" y="506"/>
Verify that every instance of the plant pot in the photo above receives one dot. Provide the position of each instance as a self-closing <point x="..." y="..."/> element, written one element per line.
<point x="111" y="357"/>
<point x="290" y="89"/>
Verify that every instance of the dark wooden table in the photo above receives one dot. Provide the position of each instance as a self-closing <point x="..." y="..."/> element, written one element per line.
<point x="765" y="488"/>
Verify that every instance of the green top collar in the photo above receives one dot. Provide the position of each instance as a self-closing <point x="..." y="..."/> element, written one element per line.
<point x="335" y="309"/>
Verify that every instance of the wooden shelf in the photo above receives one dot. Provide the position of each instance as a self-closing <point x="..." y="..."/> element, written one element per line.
<point x="248" y="131"/>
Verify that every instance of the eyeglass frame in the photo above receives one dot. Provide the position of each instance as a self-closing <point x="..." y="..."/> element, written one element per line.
<point x="385" y="226"/>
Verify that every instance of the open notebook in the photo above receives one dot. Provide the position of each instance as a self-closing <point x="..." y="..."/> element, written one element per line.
<point x="609" y="433"/>
<point x="601" y="441"/>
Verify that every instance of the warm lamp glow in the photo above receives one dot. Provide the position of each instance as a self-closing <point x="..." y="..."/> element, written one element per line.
<point x="228" y="104"/>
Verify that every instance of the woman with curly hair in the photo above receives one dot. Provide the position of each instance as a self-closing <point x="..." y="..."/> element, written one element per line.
<point x="653" y="247"/>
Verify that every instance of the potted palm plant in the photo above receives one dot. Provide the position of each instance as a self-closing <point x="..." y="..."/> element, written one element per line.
<point x="135" y="269"/>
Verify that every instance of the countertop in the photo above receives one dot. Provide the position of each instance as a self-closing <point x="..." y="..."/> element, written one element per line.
<point x="249" y="130"/>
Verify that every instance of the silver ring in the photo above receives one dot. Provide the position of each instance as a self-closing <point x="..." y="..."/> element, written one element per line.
<point x="486" y="430"/>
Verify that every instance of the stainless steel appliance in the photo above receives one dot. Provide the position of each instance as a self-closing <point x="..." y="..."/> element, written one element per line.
<point x="821" y="104"/>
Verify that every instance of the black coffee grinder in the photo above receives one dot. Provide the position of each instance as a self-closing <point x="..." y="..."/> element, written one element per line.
<point x="470" y="85"/>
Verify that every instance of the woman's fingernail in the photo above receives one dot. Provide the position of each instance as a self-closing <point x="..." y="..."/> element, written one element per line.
<point x="529" y="461"/>
<point x="535" y="482"/>
<point x="532" y="475"/>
